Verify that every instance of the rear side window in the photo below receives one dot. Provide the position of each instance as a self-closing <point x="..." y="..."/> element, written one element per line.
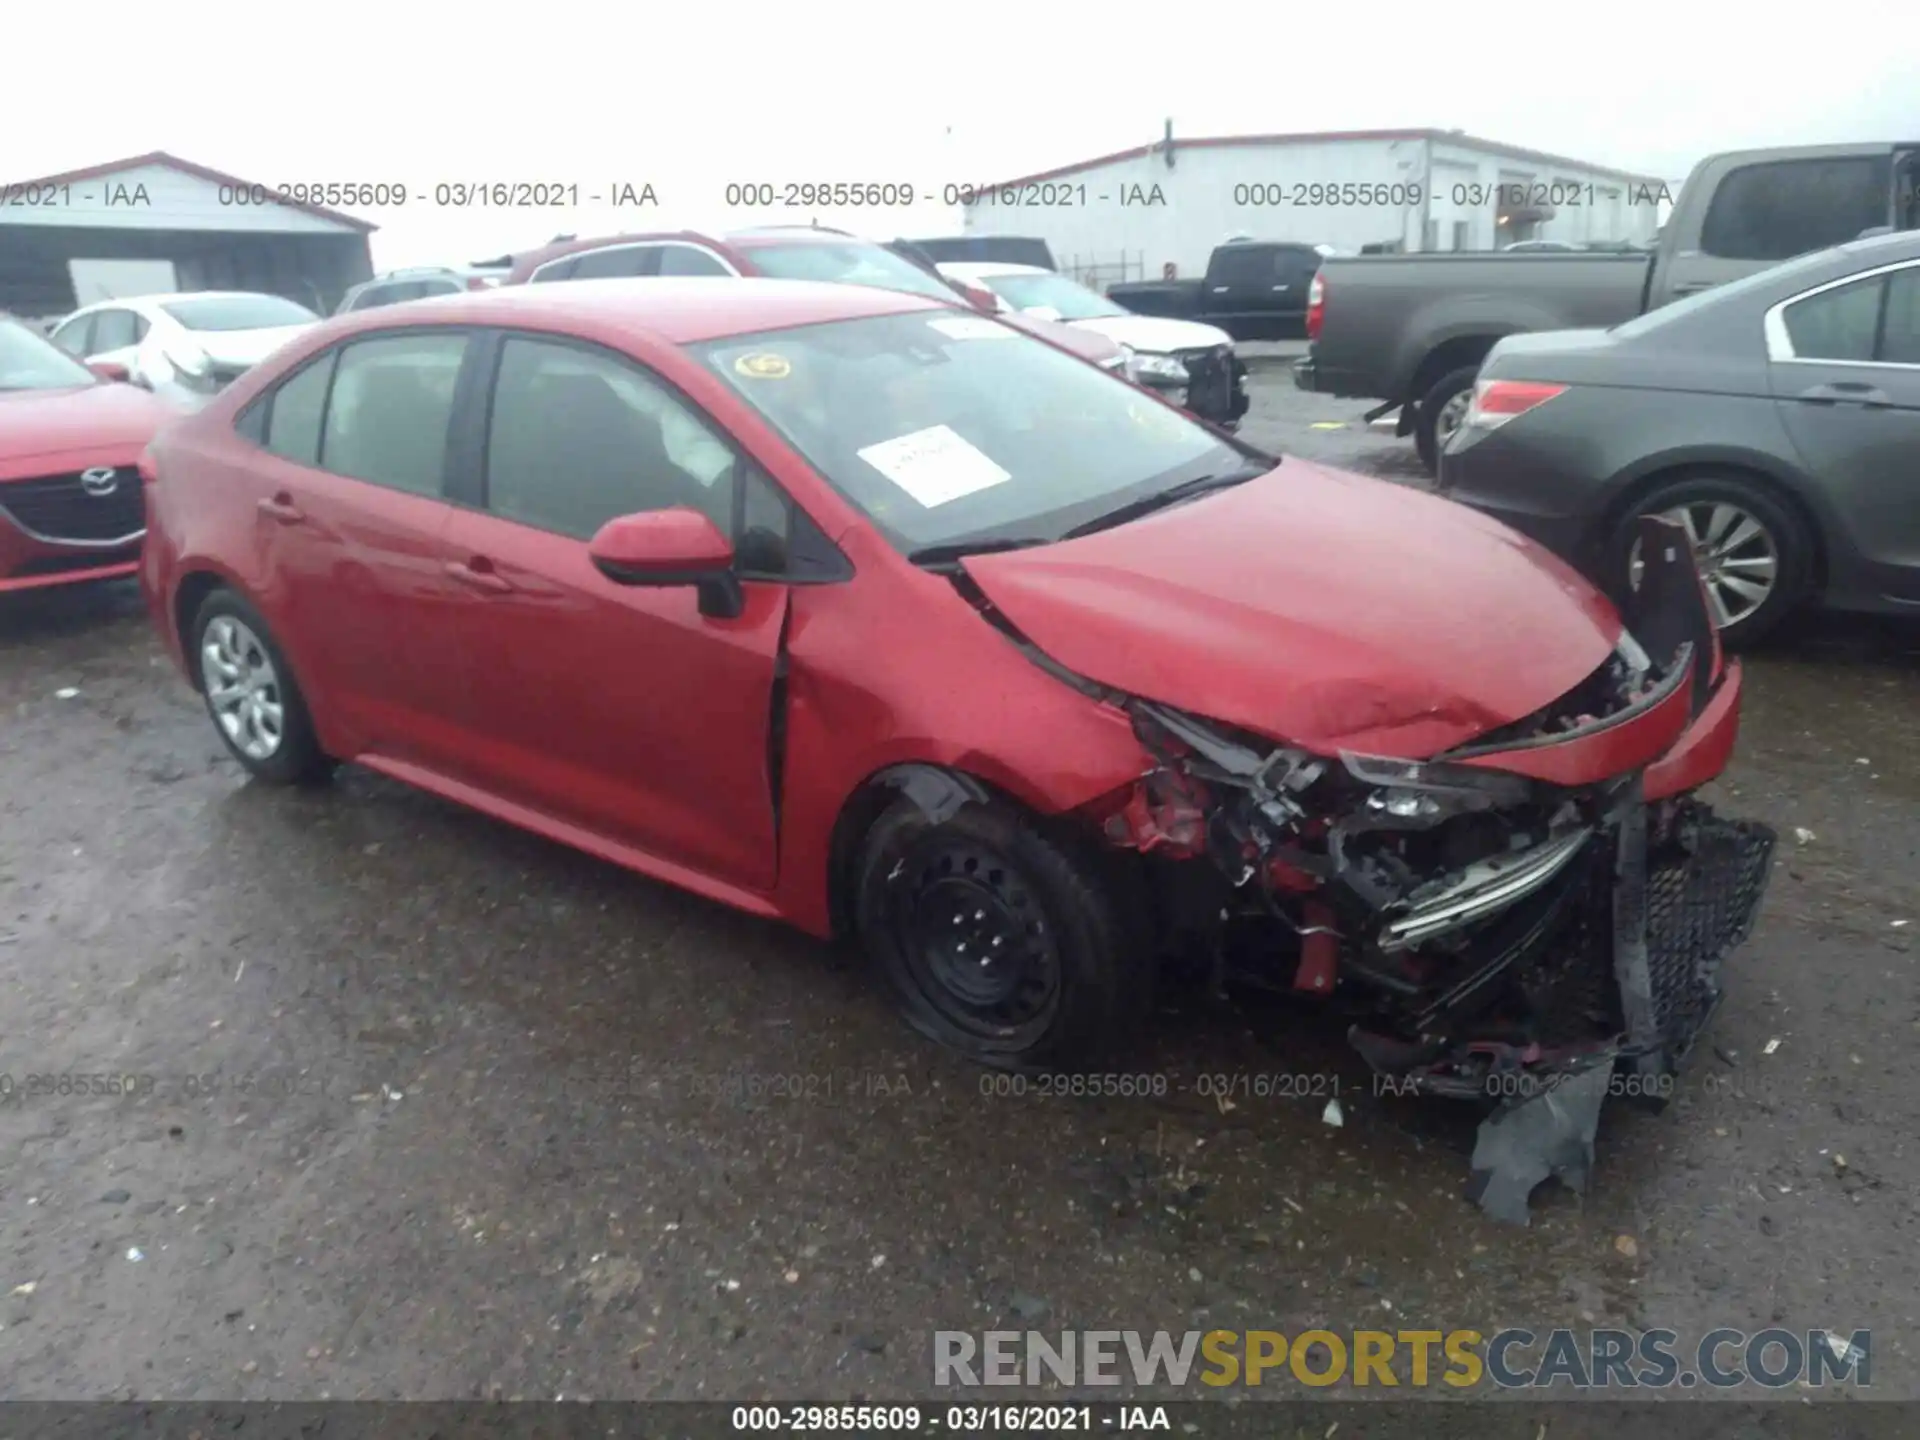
<point x="611" y="264"/>
<point x="685" y="260"/>
<point x="294" y="416"/>
<point x="75" y="336"/>
<point x="1783" y="208"/>
<point x="1900" y="329"/>
<point x="388" y="417"/>
<point x="558" y="270"/>
<point x="113" y="330"/>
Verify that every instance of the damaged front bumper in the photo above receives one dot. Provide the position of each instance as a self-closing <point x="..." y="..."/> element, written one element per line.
<point x="1536" y="920"/>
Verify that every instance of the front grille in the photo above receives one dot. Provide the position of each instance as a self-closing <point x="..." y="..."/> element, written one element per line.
<point x="1700" y="906"/>
<point x="58" y="507"/>
<point x="1215" y="390"/>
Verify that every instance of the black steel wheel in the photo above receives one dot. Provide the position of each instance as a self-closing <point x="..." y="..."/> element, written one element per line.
<point x="1000" y="941"/>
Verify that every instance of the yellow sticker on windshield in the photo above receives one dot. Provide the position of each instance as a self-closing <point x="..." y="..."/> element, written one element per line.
<point x="763" y="366"/>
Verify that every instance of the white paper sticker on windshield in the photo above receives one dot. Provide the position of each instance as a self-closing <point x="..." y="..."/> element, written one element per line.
<point x="970" y="327"/>
<point x="934" y="465"/>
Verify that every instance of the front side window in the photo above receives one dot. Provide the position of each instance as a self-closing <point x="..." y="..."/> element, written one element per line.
<point x="579" y="437"/>
<point x="32" y="362"/>
<point x="946" y="428"/>
<point x="388" y="417"/>
<point x="236" y="312"/>
<point x="1783" y="208"/>
<point x="1069" y="298"/>
<point x="853" y="263"/>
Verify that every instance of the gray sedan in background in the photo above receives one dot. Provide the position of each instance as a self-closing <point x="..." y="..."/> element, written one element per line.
<point x="1777" y="417"/>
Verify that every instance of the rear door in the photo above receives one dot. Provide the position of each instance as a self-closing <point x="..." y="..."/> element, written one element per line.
<point x="351" y="518"/>
<point x="1845" y="365"/>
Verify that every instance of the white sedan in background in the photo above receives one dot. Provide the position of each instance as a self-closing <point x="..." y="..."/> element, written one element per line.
<point x="1192" y="364"/>
<point x="185" y="348"/>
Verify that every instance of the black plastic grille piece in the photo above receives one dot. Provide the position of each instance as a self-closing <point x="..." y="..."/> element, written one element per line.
<point x="59" y="507"/>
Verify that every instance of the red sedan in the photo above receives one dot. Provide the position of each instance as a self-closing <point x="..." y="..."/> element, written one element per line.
<point x="848" y="608"/>
<point x="70" y="502"/>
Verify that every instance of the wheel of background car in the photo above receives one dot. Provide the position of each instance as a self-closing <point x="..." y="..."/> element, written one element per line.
<point x="252" y="696"/>
<point x="1441" y="410"/>
<point x="999" y="940"/>
<point x="1753" y="551"/>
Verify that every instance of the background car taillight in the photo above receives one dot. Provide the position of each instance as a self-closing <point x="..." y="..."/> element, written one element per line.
<point x="1495" y="402"/>
<point x="1316" y="307"/>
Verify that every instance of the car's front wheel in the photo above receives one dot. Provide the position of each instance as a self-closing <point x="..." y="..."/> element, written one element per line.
<point x="1008" y="944"/>
<point x="1442" y="409"/>
<point x="1754" y="555"/>
<point x="251" y="694"/>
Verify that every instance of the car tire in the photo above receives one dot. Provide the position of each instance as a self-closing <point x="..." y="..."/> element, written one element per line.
<point x="1783" y="535"/>
<point x="1427" y="438"/>
<point x="1078" y="979"/>
<point x="267" y="726"/>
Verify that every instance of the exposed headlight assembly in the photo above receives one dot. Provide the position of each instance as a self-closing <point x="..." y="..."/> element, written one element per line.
<point x="1158" y="367"/>
<point x="1428" y="790"/>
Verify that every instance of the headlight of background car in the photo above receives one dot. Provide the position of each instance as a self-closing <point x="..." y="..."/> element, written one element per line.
<point x="1158" y="367"/>
<point x="1428" y="790"/>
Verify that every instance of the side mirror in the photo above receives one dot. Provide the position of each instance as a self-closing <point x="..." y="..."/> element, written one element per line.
<point x="1042" y="312"/>
<point x="111" y="370"/>
<point x="670" y="547"/>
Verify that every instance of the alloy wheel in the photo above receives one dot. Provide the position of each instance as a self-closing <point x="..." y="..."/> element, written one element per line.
<point x="242" y="687"/>
<point x="1737" y="556"/>
<point x="1451" y="416"/>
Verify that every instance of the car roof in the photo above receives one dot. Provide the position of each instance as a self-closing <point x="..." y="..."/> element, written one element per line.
<point x="683" y="310"/>
<point x="982" y="269"/>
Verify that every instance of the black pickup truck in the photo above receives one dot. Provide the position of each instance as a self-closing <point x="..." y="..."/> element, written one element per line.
<point x="1253" y="290"/>
<point x="1411" y="330"/>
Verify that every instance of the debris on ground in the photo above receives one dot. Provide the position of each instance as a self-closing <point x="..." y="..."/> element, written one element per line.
<point x="1802" y="835"/>
<point x="1771" y="1046"/>
<point x="1333" y="1115"/>
<point x="1547" y="1136"/>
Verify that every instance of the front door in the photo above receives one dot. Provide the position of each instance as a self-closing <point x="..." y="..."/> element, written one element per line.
<point x="620" y="709"/>
<point x="1845" y="366"/>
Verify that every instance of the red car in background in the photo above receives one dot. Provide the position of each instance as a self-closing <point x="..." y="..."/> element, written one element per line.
<point x="794" y="252"/>
<point x="858" y="610"/>
<point x="70" y="501"/>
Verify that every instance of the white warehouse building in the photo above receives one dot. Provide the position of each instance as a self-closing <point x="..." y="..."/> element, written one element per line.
<point x="1130" y="215"/>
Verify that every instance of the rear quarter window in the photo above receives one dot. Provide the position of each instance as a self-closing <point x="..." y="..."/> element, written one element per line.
<point x="1781" y="208"/>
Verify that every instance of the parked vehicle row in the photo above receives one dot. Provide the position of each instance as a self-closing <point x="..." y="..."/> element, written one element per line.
<point x="897" y="624"/>
<point x="419" y="283"/>
<point x="1252" y="289"/>
<point x="1412" y="330"/>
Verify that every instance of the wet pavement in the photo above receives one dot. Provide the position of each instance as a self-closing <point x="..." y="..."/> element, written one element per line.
<point x="416" y="1105"/>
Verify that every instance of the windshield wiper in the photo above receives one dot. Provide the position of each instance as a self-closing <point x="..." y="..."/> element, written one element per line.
<point x="1160" y="500"/>
<point x="946" y="554"/>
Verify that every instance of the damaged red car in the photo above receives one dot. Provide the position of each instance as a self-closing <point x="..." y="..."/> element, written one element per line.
<point x="881" y="618"/>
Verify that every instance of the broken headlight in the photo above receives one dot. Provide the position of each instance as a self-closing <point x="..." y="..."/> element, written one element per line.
<point x="1428" y="790"/>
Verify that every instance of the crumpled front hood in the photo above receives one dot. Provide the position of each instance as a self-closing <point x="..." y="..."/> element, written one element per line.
<point x="100" y="419"/>
<point x="1318" y="608"/>
<point x="1155" y="334"/>
<point x="244" y="347"/>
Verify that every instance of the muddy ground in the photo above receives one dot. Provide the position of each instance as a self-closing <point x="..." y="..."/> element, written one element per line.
<point x="426" y="1107"/>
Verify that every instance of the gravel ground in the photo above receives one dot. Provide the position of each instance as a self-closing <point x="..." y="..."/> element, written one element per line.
<point x="435" y="1109"/>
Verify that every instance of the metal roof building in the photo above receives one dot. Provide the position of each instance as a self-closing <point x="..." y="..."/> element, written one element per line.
<point x="155" y="223"/>
<point x="1130" y="214"/>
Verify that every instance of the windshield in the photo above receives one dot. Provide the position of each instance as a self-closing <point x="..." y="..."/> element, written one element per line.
<point x="1073" y="300"/>
<point x="850" y="264"/>
<point x="32" y="362"/>
<point x="947" y="427"/>
<point x="237" y="312"/>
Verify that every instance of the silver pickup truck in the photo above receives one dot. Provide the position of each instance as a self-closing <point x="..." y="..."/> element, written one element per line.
<point x="1411" y="330"/>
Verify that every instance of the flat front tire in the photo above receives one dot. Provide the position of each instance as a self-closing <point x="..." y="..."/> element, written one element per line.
<point x="1000" y="940"/>
<point x="251" y="694"/>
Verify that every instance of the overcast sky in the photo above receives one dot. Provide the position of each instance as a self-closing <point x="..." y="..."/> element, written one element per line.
<point x="688" y="98"/>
